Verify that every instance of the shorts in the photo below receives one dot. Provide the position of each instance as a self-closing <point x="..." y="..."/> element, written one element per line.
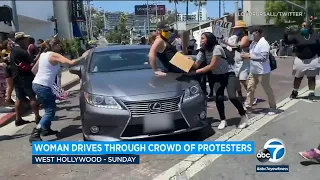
<point x="8" y="72"/>
<point x="24" y="88"/>
<point x="306" y="67"/>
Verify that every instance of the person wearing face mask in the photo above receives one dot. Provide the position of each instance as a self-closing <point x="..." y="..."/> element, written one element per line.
<point x="164" y="51"/>
<point x="223" y="76"/>
<point x="306" y="62"/>
<point x="238" y="44"/>
<point x="48" y="68"/>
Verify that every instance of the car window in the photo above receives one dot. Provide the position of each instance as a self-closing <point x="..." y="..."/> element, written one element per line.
<point x="120" y="60"/>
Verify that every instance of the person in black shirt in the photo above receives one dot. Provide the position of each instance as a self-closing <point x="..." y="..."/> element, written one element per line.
<point x="306" y="62"/>
<point x="21" y="62"/>
<point x="162" y="49"/>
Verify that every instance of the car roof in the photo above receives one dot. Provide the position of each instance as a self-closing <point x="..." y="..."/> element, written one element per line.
<point x="121" y="47"/>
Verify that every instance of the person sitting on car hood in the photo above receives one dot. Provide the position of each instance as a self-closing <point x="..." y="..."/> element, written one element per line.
<point x="164" y="50"/>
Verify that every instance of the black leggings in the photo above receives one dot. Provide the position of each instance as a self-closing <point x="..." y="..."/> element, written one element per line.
<point x="203" y="79"/>
<point x="220" y="83"/>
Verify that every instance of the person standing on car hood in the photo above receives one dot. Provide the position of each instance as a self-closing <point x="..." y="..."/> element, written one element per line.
<point x="164" y="50"/>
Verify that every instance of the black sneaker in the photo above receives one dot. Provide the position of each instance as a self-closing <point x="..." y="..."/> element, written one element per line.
<point x="312" y="97"/>
<point x="37" y="120"/>
<point x="294" y="94"/>
<point x="20" y="122"/>
<point x="35" y="135"/>
<point x="48" y="132"/>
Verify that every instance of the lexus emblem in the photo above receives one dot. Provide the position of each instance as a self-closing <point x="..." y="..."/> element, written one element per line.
<point x="154" y="107"/>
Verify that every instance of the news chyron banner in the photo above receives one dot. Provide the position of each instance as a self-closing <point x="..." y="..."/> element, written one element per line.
<point x="128" y="152"/>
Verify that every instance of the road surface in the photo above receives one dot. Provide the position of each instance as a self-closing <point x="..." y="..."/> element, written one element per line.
<point x="298" y="127"/>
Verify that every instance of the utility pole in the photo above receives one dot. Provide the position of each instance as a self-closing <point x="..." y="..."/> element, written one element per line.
<point x="90" y="20"/>
<point x="305" y="8"/>
<point x="15" y="24"/>
<point x="87" y="19"/>
<point x="148" y="18"/>
<point x="236" y="16"/>
<point x="157" y="11"/>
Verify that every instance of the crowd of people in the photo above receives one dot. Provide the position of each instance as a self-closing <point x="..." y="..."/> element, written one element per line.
<point x="32" y="71"/>
<point x="223" y="68"/>
<point x="239" y="62"/>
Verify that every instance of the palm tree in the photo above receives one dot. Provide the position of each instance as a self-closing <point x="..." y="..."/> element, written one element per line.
<point x="200" y="4"/>
<point x="175" y="10"/>
<point x="187" y="9"/>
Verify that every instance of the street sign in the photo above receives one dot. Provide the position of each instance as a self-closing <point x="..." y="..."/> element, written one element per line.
<point x="105" y="30"/>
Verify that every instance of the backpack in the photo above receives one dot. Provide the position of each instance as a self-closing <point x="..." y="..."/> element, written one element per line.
<point x="273" y="62"/>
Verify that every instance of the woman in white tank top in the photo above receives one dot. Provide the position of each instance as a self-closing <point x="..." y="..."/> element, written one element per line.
<point x="49" y="66"/>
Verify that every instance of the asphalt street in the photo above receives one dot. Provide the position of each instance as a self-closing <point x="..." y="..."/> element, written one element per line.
<point x="298" y="131"/>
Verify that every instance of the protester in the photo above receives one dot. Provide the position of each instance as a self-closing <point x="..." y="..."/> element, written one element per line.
<point x="48" y="68"/>
<point x="40" y="41"/>
<point x="143" y="41"/>
<point x="238" y="44"/>
<point x="21" y="64"/>
<point x="8" y="72"/>
<point x="223" y="76"/>
<point x="306" y="62"/>
<point x="312" y="155"/>
<point x="177" y="42"/>
<point x="259" y="70"/>
<point x="32" y="48"/>
<point x="162" y="49"/>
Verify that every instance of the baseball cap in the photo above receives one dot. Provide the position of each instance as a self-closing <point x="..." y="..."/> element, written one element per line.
<point x="20" y="35"/>
<point x="163" y="26"/>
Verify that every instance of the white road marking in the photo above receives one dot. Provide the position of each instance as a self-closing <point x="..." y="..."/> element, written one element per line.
<point x="11" y="128"/>
<point x="193" y="164"/>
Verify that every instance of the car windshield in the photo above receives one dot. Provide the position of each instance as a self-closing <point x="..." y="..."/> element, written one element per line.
<point x="120" y="60"/>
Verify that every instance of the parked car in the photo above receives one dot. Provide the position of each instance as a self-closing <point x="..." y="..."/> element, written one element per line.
<point x="121" y="98"/>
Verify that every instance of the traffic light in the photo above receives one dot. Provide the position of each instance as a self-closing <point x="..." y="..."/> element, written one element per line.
<point x="311" y="18"/>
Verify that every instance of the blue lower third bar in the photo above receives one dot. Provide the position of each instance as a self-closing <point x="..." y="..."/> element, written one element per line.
<point x="272" y="168"/>
<point x="86" y="159"/>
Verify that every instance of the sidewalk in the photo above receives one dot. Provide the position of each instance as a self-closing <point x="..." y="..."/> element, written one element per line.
<point x="68" y="80"/>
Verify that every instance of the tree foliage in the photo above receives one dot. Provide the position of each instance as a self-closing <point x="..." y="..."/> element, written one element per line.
<point x="120" y="33"/>
<point x="274" y="7"/>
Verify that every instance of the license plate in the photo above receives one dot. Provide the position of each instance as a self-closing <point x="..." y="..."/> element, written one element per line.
<point x="158" y="122"/>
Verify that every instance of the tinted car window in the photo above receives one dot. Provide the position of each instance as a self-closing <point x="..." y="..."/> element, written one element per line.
<point x="120" y="60"/>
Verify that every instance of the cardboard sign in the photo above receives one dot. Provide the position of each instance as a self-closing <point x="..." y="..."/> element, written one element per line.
<point x="182" y="62"/>
<point x="222" y="30"/>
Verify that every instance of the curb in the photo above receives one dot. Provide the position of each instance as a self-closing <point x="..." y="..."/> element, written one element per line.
<point x="9" y="117"/>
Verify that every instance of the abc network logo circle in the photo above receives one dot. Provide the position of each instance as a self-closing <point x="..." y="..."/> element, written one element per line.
<point x="273" y="151"/>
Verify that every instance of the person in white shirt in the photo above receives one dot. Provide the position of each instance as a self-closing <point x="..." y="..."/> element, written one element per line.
<point x="259" y="70"/>
<point x="48" y="68"/>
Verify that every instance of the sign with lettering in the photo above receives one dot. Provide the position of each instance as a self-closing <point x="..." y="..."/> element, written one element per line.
<point x="197" y="35"/>
<point x="222" y="30"/>
<point x="77" y="11"/>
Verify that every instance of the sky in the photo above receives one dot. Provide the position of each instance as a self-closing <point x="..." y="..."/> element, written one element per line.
<point x="128" y="6"/>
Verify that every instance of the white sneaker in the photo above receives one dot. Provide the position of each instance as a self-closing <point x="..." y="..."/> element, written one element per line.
<point x="255" y="101"/>
<point x="272" y="111"/>
<point x="222" y="124"/>
<point x="244" y="122"/>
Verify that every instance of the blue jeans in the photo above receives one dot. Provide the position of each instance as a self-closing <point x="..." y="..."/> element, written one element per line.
<point x="48" y="100"/>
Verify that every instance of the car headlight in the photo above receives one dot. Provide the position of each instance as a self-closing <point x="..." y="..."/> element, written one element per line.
<point x="191" y="92"/>
<point x="101" y="101"/>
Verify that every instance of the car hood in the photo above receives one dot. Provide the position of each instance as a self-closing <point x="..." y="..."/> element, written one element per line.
<point x="138" y="82"/>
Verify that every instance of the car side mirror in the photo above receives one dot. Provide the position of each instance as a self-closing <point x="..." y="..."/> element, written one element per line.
<point x="75" y="70"/>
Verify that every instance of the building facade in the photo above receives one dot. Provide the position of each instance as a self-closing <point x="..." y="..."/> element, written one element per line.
<point x="113" y="18"/>
<point x="203" y="15"/>
<point x="37" y="23"/>
<point x="271" y="32"/>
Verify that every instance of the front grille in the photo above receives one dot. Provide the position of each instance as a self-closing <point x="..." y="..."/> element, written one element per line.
<point x="138" y="109"/>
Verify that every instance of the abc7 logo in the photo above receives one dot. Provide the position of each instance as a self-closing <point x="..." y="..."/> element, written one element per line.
<point x="274" y="151"/>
